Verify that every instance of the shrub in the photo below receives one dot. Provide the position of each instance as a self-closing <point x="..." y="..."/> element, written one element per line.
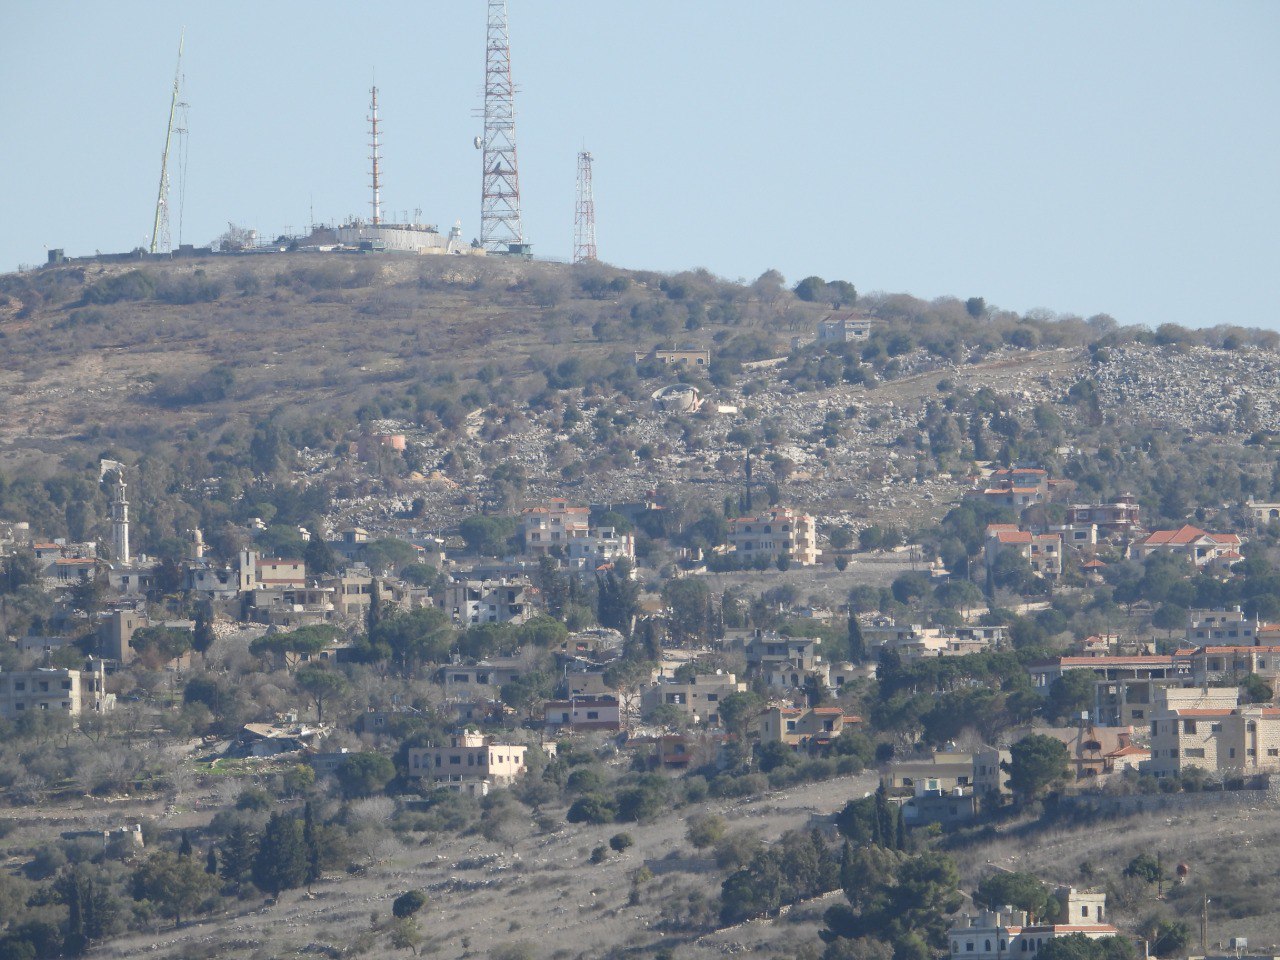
<point x="620" y="842"/>
<point x="593" y="808"/>
<point x="407" y="904"/>
<point x="253" y="798"/>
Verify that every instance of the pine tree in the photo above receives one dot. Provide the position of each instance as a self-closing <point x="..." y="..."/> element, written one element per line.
<point x="237" y="853"/>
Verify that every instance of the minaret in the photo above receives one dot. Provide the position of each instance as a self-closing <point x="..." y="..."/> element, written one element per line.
<point x="120" y="520"/>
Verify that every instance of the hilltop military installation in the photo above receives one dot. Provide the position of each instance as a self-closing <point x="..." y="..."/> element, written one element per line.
<point x="501" y="226"/>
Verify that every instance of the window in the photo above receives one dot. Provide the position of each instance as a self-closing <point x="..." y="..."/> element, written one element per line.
<point x="593" y="714"/>
<point x="1190" y="726"/>
<point x="1194" y="752"/>
<point x="1084" y="910"/>
<point x="712" y="697"/>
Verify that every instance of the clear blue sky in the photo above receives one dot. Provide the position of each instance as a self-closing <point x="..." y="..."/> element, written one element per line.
<point x="1083" y="157"/>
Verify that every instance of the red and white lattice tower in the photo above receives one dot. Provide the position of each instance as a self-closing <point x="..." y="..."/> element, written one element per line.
<point x="584" y="218"/>
<point x="500" y="196"/>
<point x="374" y="156"/>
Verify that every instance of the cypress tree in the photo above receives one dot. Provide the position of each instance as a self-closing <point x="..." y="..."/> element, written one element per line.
<point x="375" y="608"/>
<point x="312" y="843"/>
<point x="184" y="848"/>
<point x="857" y="644"/>
<point x="902" y="830"/>
<point x="211" y="861"/>
<point x="281" y="862"/>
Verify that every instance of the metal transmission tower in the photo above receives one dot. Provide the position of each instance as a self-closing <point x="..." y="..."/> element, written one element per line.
<point x="584" y="220"/>
<point x="160" y="242"/>
<point x="373" y="144"/>
<point x="500" y="228"/>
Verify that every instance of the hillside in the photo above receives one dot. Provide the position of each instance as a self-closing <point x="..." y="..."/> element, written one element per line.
<point x="226" y="369"/>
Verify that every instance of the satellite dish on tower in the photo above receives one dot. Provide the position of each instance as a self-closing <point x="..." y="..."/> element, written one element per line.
<point x="479" y="142"/>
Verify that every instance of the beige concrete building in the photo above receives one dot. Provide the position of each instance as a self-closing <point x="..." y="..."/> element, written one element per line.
<point x="844" y="328"/>
<point x="798" y="728"/>
<point x="552" y="525"/>
<point x="1233" y="663"/>
<point x="686" y="358"/>
<point x="698" y="698"/>
<point x="1201" y="547"/>
<point x="69" y="692"/>
<point x="600" y="547"/>
<point x="774" y="533"/>
<point x="1006" y="933"/>
<point x="1220" y="627"/>
<point x="1229" y="740"/>
<point x="487" y="601"/>
<point x="1043" y="551"/>
<point x="469" y="763"/>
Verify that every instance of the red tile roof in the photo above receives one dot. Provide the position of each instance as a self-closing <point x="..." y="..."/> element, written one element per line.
<point x="1186" y="534"/>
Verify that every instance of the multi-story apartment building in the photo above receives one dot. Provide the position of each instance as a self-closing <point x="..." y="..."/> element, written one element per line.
<point x="815" y="726"/>
<point x="483" y="679"/>
<point x="603" y="545"/>
<point x="487" y="601"/>
<point x="774" y="533"/>
<point x="1207" y="628"/>
<point x="69" y="692"/>
<point x="1224" y="738"/>
<point x="1217" y="663"/>
<point x="552" y="525"/>
<point x="697" y="698"/>
<point x="1121" y="516"/>
<point x="469" y="763"/>
<point x="1043" y="551"/>
<point x="1006" y="933"/>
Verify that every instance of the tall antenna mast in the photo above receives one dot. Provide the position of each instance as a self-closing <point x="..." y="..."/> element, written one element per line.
<point x="160" y="242"/>
<point x="500" y="194"/>
<point x="584" y="220"/>
<point x="182" y="131"/>
<point x="373" y="143"/>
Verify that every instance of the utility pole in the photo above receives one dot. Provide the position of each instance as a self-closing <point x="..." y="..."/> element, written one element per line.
<point x="500" y="227"/>
<point x="373" y="146"/>
<point x="584" y="220"/>
<point x="1204" y="927"/>
<point x="160" y="242"/>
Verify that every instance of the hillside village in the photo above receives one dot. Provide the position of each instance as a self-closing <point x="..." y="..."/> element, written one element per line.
<point x="963" y="575"/>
